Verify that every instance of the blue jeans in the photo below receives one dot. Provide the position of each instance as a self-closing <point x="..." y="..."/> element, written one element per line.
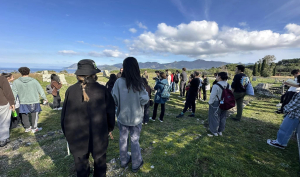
<point x="136" y="155"/>
<point x="286" y="130"/>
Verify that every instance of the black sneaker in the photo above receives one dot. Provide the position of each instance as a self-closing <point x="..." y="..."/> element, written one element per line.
<point x="180" y="115"/>
<point x="8" y="140"/>
<point x="192" y="115"/>
<point x="275" y="144"/>
<point x="137" y="169"/>
<point x="124" y="166"/>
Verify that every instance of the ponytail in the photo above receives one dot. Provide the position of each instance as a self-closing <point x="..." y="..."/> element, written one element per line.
<point x="84" y="81"/>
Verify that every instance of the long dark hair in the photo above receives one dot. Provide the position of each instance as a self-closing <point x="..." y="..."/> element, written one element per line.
<point x="112" y="79"/>
<point x="132" y="74"/>
<point x="55" y="78"/>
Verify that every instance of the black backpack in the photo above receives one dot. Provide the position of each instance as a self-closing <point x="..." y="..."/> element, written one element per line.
<point x="176" y="79"/>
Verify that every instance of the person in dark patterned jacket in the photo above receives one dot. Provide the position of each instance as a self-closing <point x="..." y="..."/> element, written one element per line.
<point x="290" y="122"/>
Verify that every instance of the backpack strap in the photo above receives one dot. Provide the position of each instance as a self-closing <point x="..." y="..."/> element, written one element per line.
<point x="221" y="86"/>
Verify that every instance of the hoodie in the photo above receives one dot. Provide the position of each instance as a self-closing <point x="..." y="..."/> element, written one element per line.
<point x="28" y="90"/>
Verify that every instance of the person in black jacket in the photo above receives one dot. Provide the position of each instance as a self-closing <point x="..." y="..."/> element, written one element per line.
<point x="87" y="117"/>
<point x="119" y="75"/>
<point x="111" y="82"/>
<point x="192" y="94"/>
<point x="183" y="80"/>
<point x="204" y="84"/>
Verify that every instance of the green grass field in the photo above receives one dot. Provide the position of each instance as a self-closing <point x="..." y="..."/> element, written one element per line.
<point x="176" y="147"/>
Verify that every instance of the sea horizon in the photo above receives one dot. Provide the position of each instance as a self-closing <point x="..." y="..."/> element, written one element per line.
<point x="34" y="70"/>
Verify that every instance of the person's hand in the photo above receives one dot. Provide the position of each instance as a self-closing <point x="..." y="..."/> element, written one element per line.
<point x="45" y="102"/>
<point x="111" y="136"/>
<point x="12" y="107"/>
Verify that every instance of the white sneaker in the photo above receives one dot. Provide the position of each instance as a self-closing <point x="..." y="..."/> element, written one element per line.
<point x="28" y="129"/>
<point x="60" y="108"/>
<point x="151" y="119"/>
<point x="184" y="101"/>
<point x="220" y="133"/>
<point x="55" y="109"/>
<point x="36" y="129"/>
<point x="179" y="96"/>
<point x="279" y="105"/>
<point x="160" y="120"/>
<point x="146" y="123"/>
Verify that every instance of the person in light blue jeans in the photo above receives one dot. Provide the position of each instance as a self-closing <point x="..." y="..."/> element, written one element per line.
<point x="130" y="97"/>
<point x="289" y="124"/>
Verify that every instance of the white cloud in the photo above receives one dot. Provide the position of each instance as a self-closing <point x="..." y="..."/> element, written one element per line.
<point x="141" y="25"/>
<point x="108" y="53"/>
<point x="293" y="28"/>
<point x="204" y="39"/>
<point x="133" y="30"/>
<point x="68" y="52"/>
<point x="243" y="24"/>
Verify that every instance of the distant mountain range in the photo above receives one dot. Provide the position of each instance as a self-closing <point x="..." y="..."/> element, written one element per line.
<point x="197" y="64"/>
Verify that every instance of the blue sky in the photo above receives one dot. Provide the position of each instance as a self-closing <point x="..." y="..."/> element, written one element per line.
<point x="56" y="33"/>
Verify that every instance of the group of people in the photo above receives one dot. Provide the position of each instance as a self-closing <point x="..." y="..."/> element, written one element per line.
<point x="20" y="102"/>
<point x="89" y="109"/>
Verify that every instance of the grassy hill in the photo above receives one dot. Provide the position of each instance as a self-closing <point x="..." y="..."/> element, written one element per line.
<point x="176" y="147"/>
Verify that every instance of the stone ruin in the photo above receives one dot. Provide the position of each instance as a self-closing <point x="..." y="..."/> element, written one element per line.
<point x="47" y="77"/>
<point x="106" y="73"/>
<point x="263" y="89"/>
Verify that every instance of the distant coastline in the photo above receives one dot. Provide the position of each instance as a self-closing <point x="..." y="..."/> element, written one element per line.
<point x="33" y="70"/>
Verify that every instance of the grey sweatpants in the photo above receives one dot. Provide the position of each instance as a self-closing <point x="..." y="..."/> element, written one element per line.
<point x="216" y="118"/>
<point x="5" y="115"/>
<point x="136" y="155"/>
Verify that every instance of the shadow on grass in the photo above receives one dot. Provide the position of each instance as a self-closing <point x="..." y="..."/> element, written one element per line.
<point x="18" y="163"/>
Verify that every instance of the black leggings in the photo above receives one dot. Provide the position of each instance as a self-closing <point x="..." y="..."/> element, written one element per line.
<point x="56" y="101"/>
<point x="162" y="113"/>
<point x="190" y="102"/>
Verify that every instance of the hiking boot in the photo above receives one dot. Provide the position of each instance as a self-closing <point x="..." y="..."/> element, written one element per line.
<point x="275" y="144"/>
<point x="28" y="129"/>
<point x="192" y="115"/>
<point x="180" y="115"/>
<point x="124" y="166"/>
<point x="137" y="169"/>
<point x="34" y="130"/>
